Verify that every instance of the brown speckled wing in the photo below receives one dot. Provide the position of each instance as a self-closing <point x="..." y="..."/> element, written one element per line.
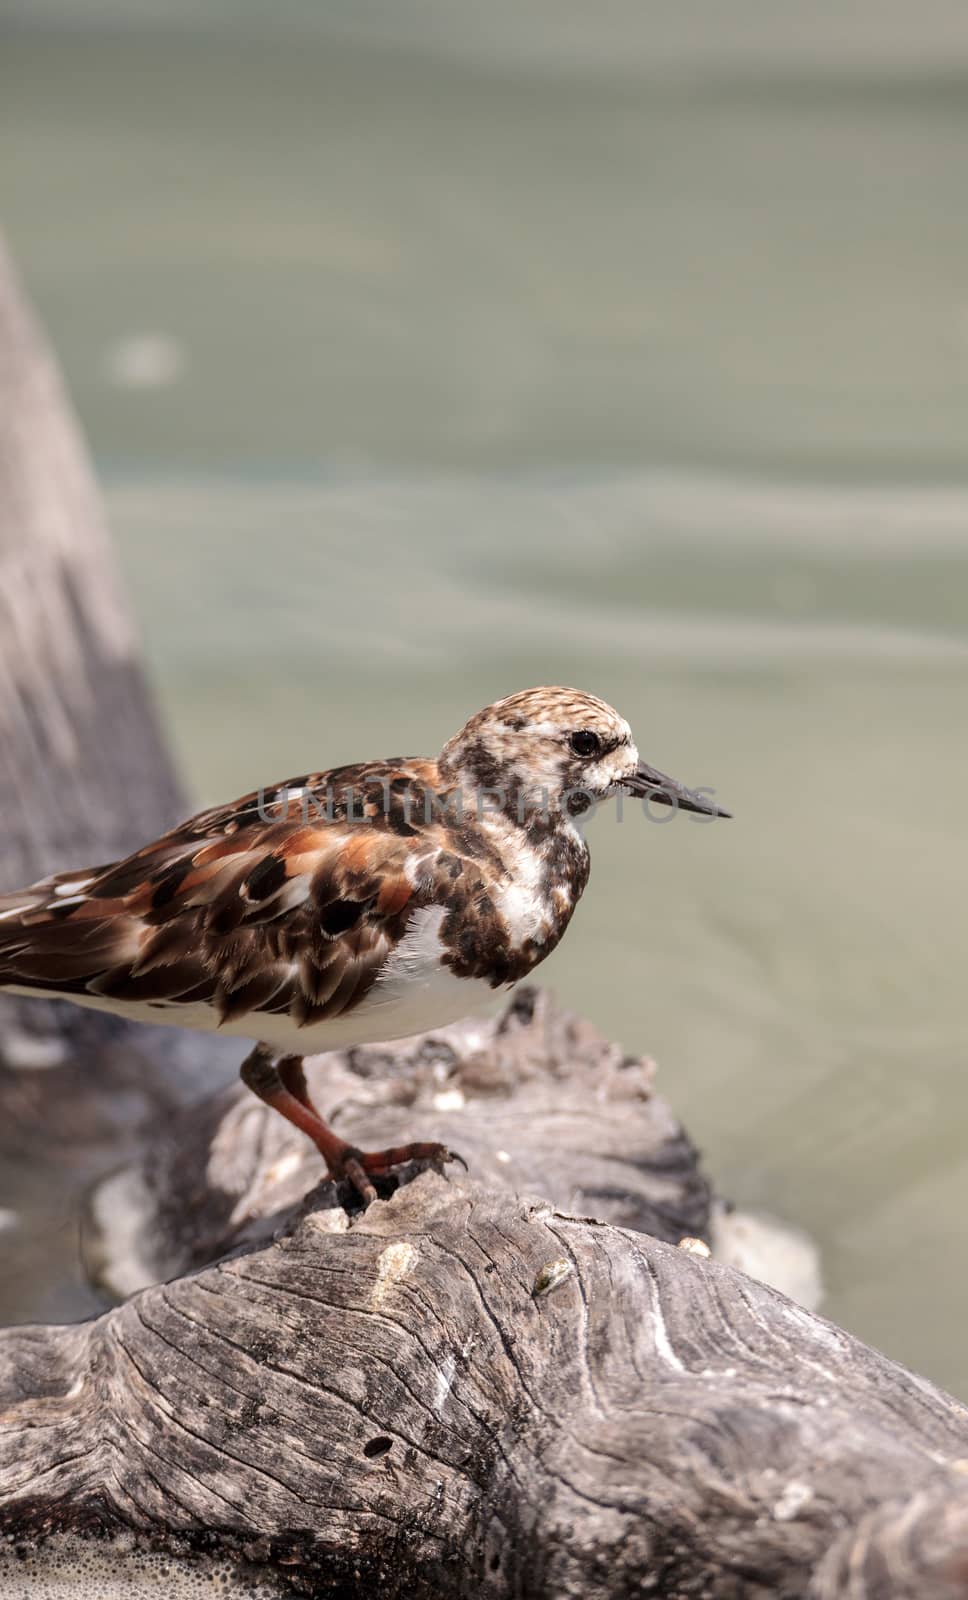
<point x="287" y="902"/>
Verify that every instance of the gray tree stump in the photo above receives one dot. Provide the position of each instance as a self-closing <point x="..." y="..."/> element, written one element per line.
<point x="85" y="776"/>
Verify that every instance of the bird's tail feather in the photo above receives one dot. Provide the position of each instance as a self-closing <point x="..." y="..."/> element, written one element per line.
<point x="32" y="954"/>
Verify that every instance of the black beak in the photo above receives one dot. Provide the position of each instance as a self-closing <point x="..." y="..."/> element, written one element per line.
<point x="650" y="784"/>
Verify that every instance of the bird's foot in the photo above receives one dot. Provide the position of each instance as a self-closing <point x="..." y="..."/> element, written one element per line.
<point x="281" y="1084"/>
<point x="363" y="1167"/>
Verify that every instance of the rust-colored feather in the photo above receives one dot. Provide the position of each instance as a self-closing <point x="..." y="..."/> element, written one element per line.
<point x="243" y="914"/>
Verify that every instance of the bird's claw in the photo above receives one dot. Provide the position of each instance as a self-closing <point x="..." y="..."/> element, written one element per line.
<point x="362" y="1167"/>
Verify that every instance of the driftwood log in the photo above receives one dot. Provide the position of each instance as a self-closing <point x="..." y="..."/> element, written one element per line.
<point x="472" y="1387"/>
<point x="505" y="1383"/>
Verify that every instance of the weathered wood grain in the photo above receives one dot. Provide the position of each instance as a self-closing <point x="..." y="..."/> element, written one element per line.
<point x="468" y="1392"/>
<point x="473" y="1387"/>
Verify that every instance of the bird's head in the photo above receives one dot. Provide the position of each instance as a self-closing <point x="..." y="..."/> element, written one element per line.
<point x="558" y="749"/>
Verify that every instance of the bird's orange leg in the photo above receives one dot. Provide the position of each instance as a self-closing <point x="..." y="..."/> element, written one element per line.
<point x="282" y="1085"/>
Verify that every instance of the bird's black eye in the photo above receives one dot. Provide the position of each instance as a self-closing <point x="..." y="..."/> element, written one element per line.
<point x="584" y="742"/>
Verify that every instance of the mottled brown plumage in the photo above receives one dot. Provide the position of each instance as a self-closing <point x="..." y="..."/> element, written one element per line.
<point x="359" y="903"/>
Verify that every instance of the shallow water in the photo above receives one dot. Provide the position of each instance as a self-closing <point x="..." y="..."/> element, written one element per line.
<point x="423" y="361"/>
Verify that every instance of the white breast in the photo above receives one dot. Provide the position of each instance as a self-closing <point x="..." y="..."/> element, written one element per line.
<point x="414" y="986"/>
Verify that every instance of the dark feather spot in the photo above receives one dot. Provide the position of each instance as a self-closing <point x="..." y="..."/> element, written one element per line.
<point x="53" y="911"/>
<point x="168" y="886"/>
<point x="397" y="823"/>
<point x="339" y="916"/>
<point x="249" y="996"/>
<point x="486" y="770"/>
<point x="265" y="879"/>
<point x="578" y="801"/>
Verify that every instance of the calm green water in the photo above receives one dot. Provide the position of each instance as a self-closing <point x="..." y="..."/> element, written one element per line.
<point x="433" y="350"/>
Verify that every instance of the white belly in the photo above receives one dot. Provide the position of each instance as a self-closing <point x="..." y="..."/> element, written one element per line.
<point x="414" y="993"/>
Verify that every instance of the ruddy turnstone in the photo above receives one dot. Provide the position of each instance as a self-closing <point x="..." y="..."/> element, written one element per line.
<point x="365" y="903"/>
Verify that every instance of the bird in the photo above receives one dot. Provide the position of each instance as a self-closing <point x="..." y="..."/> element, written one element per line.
<point x="357" y="905"/>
